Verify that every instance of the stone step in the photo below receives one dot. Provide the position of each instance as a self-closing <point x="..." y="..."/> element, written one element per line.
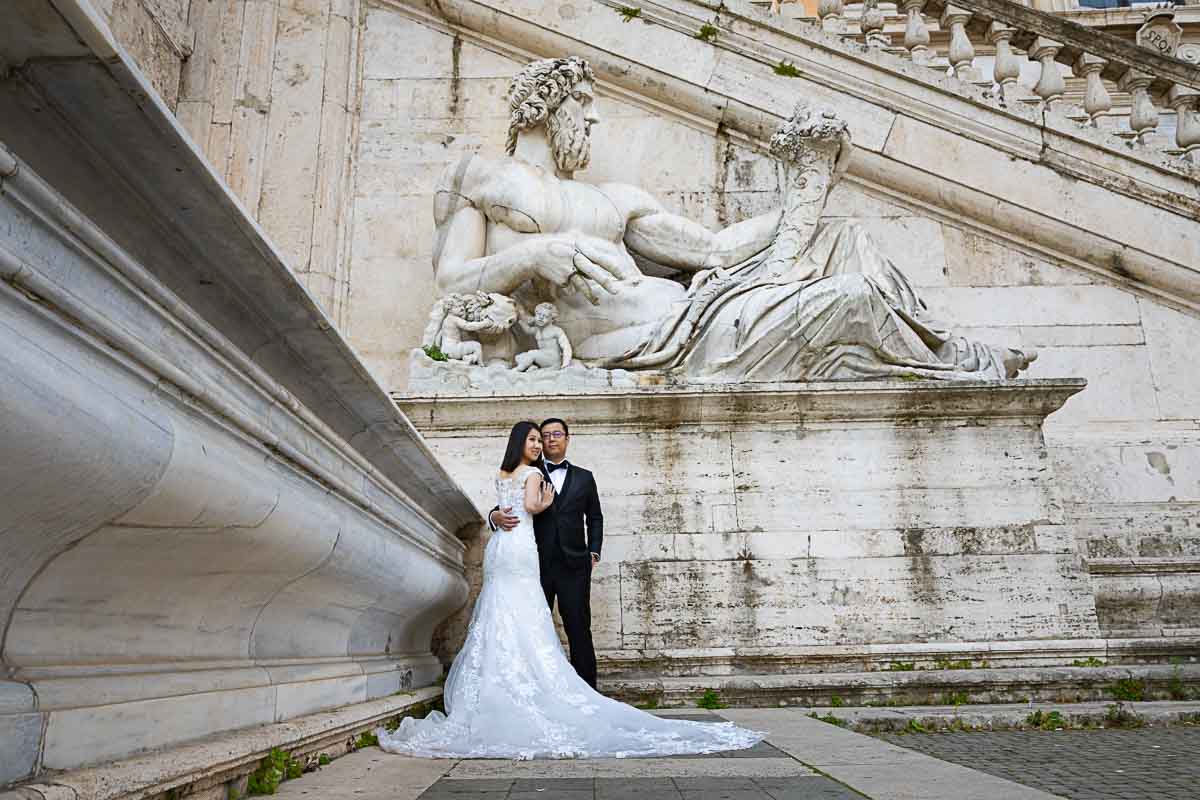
<point x="919" y="687"/>
<point x="1001" y="716"/>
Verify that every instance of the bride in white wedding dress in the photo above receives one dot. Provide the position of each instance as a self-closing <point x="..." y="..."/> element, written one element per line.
<point x="511" y="692"/>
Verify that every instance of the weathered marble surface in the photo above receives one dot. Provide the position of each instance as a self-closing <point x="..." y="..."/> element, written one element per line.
<point x="935" y="163"/>
<point x="1006" y="221"/>
<point x="748" y="527"/>
<point x="212" y="517"/>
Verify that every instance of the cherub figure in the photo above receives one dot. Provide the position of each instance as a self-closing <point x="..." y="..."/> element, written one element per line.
<point x="451" y="317"/>
<point x="553" y="347"/>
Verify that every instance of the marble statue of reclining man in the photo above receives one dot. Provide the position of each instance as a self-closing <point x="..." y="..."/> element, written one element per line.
<point x="778" y="297"/>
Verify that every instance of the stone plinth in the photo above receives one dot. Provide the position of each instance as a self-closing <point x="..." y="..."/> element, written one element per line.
<point x="817" y="526"/>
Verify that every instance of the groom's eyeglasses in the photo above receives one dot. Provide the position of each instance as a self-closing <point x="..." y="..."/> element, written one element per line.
<point x="554" y="435"/>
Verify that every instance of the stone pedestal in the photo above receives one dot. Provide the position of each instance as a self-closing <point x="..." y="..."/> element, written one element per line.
<point x="759" y="528"/>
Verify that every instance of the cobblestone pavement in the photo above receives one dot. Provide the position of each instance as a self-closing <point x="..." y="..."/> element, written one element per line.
<point x="1127" y="764"/>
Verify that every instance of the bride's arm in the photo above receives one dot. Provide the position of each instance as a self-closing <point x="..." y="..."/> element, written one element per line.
<point x="539" y="493"/>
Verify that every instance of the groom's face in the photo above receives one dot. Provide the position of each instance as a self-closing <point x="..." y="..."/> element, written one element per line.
<point x="554" y="442"/>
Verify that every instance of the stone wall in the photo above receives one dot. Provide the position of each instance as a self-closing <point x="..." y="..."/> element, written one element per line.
<point x="158" y="37"/>
<point x="815" y="527"/>
<point x="266" y="95"/>
<point x="1127" y="449"/>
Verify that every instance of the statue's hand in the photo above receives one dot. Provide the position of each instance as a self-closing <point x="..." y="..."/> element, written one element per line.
<point x="569" y="261"/>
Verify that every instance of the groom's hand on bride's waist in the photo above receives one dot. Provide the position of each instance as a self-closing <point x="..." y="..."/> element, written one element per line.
<point x="503" y="518"/>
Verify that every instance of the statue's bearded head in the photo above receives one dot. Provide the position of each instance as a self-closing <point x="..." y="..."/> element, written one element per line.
<point x="559" y="93"/>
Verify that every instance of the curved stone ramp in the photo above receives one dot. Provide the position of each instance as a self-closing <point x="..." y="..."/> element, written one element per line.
<point x="213" y="517"/>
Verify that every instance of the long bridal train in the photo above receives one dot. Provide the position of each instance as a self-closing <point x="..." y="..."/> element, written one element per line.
<point x="511" y="692"/>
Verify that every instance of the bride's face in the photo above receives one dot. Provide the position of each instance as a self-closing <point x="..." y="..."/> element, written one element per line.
<point x="533" y="446"/>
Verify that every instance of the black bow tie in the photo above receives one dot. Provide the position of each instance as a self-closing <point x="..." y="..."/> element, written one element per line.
<point x="551" y="467"/>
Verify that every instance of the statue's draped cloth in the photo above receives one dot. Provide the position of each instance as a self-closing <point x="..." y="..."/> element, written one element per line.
<point x="841" y="312"/>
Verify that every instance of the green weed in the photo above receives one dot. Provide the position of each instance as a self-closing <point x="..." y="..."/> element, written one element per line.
<point x="710" y="700"/>
<point x="435" y="353"/>
<point x="1129" y="689"/>
<point x="1046" y="721"/>
<point x="1090" y="661"/>
<point x="831" y="719"/>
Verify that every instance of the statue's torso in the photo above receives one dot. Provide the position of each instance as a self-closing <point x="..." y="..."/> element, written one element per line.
<point x="526" y="200"/>
<point x="520" y="201"/>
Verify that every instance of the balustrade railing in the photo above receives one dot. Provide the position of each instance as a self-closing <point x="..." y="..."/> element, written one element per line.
<point x="1012" y="34"/>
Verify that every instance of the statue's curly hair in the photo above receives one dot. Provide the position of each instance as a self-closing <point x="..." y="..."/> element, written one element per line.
<point x="538" y="89"/>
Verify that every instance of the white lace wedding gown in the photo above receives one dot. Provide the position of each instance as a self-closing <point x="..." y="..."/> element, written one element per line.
<point x="511" y="692"/>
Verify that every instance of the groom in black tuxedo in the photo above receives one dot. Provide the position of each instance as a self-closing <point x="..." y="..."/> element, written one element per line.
<point x="566" y="554"/>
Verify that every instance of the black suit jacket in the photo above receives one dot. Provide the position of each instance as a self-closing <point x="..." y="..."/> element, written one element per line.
<point x="562" y="525"/>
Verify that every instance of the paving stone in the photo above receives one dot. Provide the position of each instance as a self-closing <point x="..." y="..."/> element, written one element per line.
<point x="474" y="786"/>
<point x="715" y="784"/>
<point x="636" y="789"/>
<point x="816" y="787"/>
<point x="559" y="784"/>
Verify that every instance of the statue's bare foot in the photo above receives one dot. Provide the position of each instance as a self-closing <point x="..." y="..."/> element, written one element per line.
<point x="1017" y="360"/>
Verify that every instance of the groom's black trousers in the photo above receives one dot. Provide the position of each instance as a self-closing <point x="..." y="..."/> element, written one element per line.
<point x="571" y="584"/>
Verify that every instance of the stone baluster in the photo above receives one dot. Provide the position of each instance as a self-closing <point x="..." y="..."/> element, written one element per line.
<point x="1050" y="85"/>
<point x="1184" y="101"/>
<point x="1143" y="116"/>
<point x="916" y="33"/>
<point x="1007" y="66"/>
<point x="830" y="14"/>
<point x="962" y="52"/>
<point x="871" y="24"/>
<point x="1096" y="100"/>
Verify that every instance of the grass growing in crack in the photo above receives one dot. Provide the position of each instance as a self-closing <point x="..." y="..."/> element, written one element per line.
<point x="945" y="663"/>
<point x="1046" y="721"/>
<point x="630" y="13"/>
<point x="955" y="699"/>
<point x="1175" y="687"/>
<point x="901" y="666"/>
<point x="365" y="739"/>
<point x="435" y="353"/>
<point x="710" y="700"/>
<point x="1118" y="716"/>
<point x="1090" y="661"/>
<point x="915" y="726"/>
<point x="649" y="704"/>
<point x="707" y="33"/>
<point x="1129" y="689"/>
<point x="836" y="701"/>
<point x="786" y="69"/>
<point x="276" y="768"/>
<point x="831" y="719"/>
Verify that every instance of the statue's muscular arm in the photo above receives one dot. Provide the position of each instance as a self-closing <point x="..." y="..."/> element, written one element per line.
<point x="461" y="262"/>
<point x="676" y="241"/>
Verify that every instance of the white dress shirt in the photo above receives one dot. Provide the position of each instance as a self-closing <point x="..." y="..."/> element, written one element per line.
<point x="558" y="477"/>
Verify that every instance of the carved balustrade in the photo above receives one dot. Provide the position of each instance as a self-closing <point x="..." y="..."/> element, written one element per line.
<point x="1148" y="75"/>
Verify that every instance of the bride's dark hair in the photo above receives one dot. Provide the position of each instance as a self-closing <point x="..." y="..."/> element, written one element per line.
<point x="516" y="446"/>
